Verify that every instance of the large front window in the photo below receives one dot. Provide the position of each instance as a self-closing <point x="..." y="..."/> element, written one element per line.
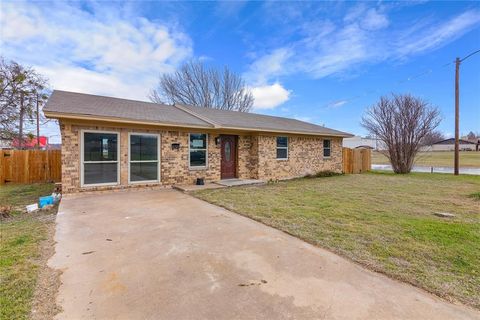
<point x="198" y="150"/>
<point x="144" y="158"/>
<point x="100" y="158"/>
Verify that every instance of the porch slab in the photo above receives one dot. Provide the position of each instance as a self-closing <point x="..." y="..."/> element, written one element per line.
<point x="238" y="182"/>
<point x="193" y="187"/>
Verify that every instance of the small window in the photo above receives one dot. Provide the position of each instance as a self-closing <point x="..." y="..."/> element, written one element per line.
<point x="282" y="147"/>
<point x="327" y="149"/>
<point x="100" y="158"/>
<point x="144" y="158"/>
<point x="198" y="150"/>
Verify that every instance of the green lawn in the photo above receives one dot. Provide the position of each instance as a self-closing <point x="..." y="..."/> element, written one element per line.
<point x="470" y="159"/>
<point x="380" y="220"/>
<point x="21" y="236"/>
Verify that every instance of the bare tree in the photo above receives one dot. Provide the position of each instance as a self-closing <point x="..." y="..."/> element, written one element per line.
<point x="471" y="135"/>
<point x="198" y="85"/>
<point x="402" y="122"/>
<point x="22" y="94"/>
<point x="432" y="138"/>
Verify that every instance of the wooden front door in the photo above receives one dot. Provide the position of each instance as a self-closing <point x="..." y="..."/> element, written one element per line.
<point x="229" y="156"/>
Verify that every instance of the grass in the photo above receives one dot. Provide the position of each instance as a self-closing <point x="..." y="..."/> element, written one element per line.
<point x="470" y="159"/>
<point x="380" y="220"/>
<point x="21" y="236"/>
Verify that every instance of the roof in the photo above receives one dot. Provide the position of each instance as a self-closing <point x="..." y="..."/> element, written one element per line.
<point x="452" y="141"/>
<point x="30" y="143"/>
<point x="63" y="104"/>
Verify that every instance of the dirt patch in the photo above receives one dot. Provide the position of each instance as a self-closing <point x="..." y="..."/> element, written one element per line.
<point x="44" y="305"/>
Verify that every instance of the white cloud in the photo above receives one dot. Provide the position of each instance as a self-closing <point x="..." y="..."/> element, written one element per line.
<point x="337" y="104"/>
<point x="374" y="20"/>
<point x="91" y="52"/>
<point x="267" y="66"/>
<point x="420" y="38"/>
<point x="364" y="36"/>
<point x="269" y="96"/>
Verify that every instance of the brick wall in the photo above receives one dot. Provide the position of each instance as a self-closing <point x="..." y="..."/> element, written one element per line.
<point x="256" y="157"/>
<point x="305" y="156"/>
<point x="174" y="165"/>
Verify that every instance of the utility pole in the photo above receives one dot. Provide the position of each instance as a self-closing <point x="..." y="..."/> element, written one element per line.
<point x="457" y="116"/>
<point x="20" y="128"/>
<point x="38" y="125"/>
<point x="457" y="110"/>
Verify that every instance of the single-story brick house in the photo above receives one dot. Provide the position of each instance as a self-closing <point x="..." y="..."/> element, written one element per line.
<point x="117" y="143"/>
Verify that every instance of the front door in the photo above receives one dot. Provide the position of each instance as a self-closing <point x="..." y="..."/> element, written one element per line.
<point x="229" y="157"/>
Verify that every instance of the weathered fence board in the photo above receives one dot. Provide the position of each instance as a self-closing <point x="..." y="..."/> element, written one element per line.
<point x="29" y="166"/>
<point x="356" y="160"/>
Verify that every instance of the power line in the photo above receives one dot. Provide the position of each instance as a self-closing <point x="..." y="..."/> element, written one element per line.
<point x="471" y="54"/>
<point x="399" y="82"/>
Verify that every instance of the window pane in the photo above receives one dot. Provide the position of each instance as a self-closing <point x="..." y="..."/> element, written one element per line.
<point x="99" y="173"/>
<point x="282" y="142"/>
<point x="326" y="152"/>
<point x="198" y="141"/>
<point x="99" y="146"/>
<point x="282" y="153"/>
<point x="143" y="171"/>
<point x="143" y="147"/>
<point x="326" y="143"/>
<point x="198" y="158"/>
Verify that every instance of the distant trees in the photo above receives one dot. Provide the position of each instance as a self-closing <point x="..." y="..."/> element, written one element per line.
<point x="402" y="122"/>
<point x="22" y="95"/>
<point x="432" y="138"/>
<point x="471" y="135"/>
<point x="196" y="84"/>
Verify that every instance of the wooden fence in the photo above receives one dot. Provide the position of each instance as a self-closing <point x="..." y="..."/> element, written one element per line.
<point x="357" y="160"/>
<point x="29" y="166"/>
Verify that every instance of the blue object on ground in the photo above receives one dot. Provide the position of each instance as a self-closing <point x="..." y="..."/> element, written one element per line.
<point x="45" y="201"/>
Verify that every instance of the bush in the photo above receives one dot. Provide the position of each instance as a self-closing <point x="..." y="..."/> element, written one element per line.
<point x="323" y="174"/>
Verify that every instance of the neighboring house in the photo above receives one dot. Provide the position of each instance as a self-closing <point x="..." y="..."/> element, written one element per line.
<point x="449" y="145"/>
<point x="5" y="143"/>
<point x="360" y="142"/>
<point x="31" y="143"/>
<point x="117" y="143"/>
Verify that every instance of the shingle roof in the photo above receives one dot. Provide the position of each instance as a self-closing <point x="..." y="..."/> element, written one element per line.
<point x="91" y="105"/>
<point x="452" y="141"/>
<point x="63" y="104"/>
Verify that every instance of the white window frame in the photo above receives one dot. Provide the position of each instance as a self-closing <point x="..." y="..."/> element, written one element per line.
<point x="144" y="161"/>
<point x="277" y="147"/>
<point x="329" y="148"/>
<point x="206" y="152"/>
<point x="82" y="160"/>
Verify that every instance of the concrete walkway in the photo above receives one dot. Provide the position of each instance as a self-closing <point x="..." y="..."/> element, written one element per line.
<point x="162" y="254"/>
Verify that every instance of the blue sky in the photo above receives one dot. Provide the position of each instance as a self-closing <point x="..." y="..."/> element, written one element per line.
<point x="323" y="62"/>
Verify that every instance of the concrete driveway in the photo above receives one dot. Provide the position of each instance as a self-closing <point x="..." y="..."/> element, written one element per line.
<point x="161" y="254"/>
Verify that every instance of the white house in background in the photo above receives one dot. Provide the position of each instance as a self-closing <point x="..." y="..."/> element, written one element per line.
<point x="359" y="142"/>
<point x="449" y="145"/>
<point x="5" y="143"/>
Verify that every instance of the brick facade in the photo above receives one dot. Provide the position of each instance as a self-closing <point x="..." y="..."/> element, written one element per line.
<point x="256" y="156"/>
